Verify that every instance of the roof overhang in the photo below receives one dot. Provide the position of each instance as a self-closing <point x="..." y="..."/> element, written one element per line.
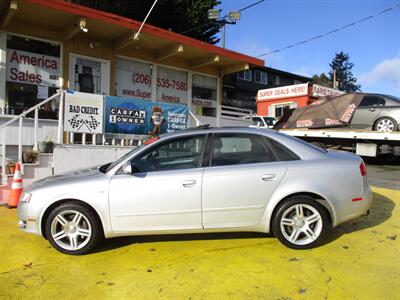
<point x="67" y="18"/>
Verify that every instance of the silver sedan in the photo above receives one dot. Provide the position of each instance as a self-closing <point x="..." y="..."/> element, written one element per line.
<point x="203" y="180"/>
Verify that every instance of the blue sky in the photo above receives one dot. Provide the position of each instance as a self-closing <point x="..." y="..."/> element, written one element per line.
<point x="373" y="46"/>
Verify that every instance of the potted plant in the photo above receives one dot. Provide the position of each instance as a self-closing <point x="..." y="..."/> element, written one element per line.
<point x="49" y="146"/>
<point x="30" y="156"/>
<point x="42" y="146"/>
<point x="46" y="146"/>
<point x="11" y="167"/>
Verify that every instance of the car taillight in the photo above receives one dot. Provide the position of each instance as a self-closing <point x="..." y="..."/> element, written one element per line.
<point x="363" y="169"/>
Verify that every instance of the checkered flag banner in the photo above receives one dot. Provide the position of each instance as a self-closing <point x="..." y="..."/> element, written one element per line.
<point x="91" y="123"/>
<point x="75" y="122"/>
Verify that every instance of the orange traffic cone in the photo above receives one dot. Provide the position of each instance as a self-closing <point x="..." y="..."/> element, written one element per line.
<point x="16" y="187"/>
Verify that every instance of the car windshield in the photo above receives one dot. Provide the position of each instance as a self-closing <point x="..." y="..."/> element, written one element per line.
<point x="112" y="165"/>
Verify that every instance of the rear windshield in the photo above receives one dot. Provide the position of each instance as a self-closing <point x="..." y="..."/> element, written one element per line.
<point x="310" y="145"/>
<point x="302" y="142"/>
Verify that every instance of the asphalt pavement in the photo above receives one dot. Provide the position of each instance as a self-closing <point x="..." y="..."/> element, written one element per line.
<point x="383" y="173"/>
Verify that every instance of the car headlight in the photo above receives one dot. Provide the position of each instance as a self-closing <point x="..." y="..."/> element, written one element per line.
<point x="26" y="197"/>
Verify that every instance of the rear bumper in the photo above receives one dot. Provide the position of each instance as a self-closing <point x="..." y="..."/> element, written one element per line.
<point x="356" y="207"/>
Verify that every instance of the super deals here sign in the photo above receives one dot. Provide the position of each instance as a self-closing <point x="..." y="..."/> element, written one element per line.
<point x="32" y="68"/>
<point x="83" y="112"/>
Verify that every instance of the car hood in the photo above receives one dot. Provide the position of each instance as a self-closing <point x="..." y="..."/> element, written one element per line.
<point x="70" y="177"/>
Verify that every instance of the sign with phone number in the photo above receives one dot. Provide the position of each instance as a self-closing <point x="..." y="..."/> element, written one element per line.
<point x="140" y="79"/>
<point x="172" y="85"/>
<point x="134" y="80"/>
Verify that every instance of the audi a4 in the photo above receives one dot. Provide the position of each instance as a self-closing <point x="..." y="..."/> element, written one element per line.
<point x="202" y="180"/>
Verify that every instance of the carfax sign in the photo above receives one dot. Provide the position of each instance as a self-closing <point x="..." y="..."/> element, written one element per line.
<point x="83" y="112"/>
<point x="135" y="116"/>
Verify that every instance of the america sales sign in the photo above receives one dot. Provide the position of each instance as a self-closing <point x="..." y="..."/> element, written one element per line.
<point x="83" y="112"/>
<point x="32" y="68"/>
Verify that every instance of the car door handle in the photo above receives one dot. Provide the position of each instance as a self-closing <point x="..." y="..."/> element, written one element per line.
<point x="268" y="177"/>
<point x="372" y="109"/>
<point x="187" y="183"/>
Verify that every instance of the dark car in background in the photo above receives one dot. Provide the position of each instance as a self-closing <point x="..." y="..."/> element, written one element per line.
<point x="377" y="112"/>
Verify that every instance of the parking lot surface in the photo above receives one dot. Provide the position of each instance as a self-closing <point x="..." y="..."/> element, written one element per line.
<point x="384" y="175"/>
<point x="360" y="261"/>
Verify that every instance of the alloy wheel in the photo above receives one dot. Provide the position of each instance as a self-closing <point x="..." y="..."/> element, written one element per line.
<point x="301" y="224"/>
<point x="71" y="230"/>
<point x="385" y="125"/>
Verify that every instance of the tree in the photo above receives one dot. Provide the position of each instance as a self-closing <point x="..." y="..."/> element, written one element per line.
<point x="180" y="16"/>
<point x="321" y="79"/>
<point x="347" y="82"/>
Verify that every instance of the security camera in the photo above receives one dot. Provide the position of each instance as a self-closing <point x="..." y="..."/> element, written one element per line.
<point x="93" y="44"/>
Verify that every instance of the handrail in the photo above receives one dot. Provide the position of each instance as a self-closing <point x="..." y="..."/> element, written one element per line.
<point x="23" y="114"/>
<point x="198" y="122"/>
<point x="20" y="118"/>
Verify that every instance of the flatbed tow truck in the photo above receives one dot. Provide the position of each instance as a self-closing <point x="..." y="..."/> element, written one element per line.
<point x="362" y="142"/>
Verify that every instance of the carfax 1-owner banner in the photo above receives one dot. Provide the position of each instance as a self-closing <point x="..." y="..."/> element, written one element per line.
<point x="135" y="116"/>
<point x="83" y="112"/>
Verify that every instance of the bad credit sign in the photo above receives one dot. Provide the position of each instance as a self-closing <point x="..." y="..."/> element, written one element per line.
<point x="83" y="112"/>
<point x="32" y="68"/>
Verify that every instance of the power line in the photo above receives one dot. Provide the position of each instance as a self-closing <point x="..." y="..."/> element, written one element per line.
<point x="224" y="17"/>
<point x="331" y="32"/>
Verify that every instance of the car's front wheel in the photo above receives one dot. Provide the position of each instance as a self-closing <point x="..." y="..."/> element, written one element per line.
<point x="301" y="223"/>
<point x="385" y="125"/>
<point x="73" y="228"/>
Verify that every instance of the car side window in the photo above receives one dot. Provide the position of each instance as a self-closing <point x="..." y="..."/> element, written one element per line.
<point x="372" y="101"/>
<point x="282" y="152"/>
<point x="233" y="149"/>
<point x="269" y="121"/>
<point x="175" y="154"/>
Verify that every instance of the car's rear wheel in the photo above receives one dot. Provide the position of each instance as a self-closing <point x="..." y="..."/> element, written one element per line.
<point x="301" y="223"/>
<point x="385" y="125"/>
<point x="73" y="228"/>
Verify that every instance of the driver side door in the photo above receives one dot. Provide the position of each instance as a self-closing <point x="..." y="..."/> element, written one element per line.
<point x="164" y="190"/>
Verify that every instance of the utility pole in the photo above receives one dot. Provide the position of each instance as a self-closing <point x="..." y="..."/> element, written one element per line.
<point x="233" y="16"/>
<point x="335" y="83"/>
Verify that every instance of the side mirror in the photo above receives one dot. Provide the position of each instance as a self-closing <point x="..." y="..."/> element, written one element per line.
<point x="127" y="168"/>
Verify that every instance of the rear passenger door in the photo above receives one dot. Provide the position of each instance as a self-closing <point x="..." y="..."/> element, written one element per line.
<point x="238" y="180"/>
<point x="368" y="111"/>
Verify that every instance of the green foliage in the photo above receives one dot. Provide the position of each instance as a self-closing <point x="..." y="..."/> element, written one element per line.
<point x="322" y="79"/>
<point x="347" y="82"/>
<point x="175" y="15"/>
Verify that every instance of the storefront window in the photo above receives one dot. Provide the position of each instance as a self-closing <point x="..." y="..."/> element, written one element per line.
<point x="89" y="75"/>
<point x="204" y="95"/>
<point x="33" y="71"/>
<point x="172" y="85"/>
<point x="133" y="79"/>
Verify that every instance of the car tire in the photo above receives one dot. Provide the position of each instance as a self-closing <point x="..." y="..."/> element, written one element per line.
<point x="73" y="228"/>
<point x="301" y="223"/>
<point x="385" y="124"/>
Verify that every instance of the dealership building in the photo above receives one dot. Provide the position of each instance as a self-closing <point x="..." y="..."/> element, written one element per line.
<point x="47" y="45"/>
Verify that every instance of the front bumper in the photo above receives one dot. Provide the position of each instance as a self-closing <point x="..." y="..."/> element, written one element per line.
<point x="26" y="221"/>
